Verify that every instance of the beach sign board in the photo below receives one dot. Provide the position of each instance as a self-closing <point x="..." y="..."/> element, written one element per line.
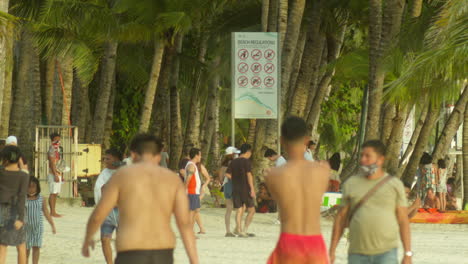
<point x="255" y="75"/>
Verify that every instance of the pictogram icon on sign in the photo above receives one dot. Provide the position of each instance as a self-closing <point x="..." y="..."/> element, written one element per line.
<point x="256" y="67"/>
<point x="256" y="54"/>
<point x="270" y="54"/>
<point x="269" y="81"/>
<point x="256" y="81"/>
<point x="269" y="68"/>
<point x="243" y="54"/>
<point x="242" y="67"/>
<point x="242" y="81"/>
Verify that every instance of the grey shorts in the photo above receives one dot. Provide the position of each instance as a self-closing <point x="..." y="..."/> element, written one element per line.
<point x="110" y="224"/>
<point x="194" y="201"/>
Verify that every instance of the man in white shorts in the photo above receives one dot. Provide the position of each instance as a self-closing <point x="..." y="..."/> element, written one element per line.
<point x="54" y="177"/>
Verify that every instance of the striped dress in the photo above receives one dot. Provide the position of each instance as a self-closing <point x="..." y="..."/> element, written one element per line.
<point x="34" y="224"/>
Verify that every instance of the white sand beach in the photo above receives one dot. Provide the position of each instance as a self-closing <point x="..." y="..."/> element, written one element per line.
<point x="432" y="244"/>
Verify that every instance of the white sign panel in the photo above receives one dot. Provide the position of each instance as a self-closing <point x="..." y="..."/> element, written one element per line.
<point x="255" y="75"/>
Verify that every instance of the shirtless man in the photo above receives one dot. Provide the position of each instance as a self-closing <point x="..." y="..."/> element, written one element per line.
<point x="298" y="188"/>
<point x="147" y="195"/>
<point x="431" y="201"/>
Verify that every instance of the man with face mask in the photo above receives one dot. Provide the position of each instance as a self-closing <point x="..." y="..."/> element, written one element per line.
<point x="54" y="177"/>
<point x="374" y="206"/>
<point x="147" y="196"/>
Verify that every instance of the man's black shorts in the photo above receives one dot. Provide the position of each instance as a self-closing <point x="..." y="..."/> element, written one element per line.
<point x="240" y="200"/>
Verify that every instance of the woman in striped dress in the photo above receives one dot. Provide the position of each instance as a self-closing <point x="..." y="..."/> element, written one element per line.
<point x="36" y="208"/>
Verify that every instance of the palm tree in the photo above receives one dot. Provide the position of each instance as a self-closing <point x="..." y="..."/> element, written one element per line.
<point x="384" y="26"/>
<point x="465" y="158"/>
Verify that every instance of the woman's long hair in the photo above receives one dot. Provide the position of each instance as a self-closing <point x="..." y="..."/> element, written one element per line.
<point x="10" y="155"/>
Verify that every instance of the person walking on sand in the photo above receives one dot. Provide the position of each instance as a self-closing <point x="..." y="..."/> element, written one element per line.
<point x="374" y="206"/>
<point x="193" y="183"/>
<point x="243" y="191"/>
<point x="54" y="177"/>
<point x="147" y="196"/>
<point x="227" y="186"/>
<point x="112" y="160"/>
<point x="300" y="239"/>
<point x="207" y="179"/>
<point x="36" y="208"/>
<point x="13" y="190"/>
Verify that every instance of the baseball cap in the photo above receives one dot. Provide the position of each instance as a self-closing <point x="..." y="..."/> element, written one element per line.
<point x="11" y="140"/>
<point x="232" y="150"/>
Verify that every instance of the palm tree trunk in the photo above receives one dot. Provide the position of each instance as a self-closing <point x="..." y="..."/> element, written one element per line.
<point x="297" y="64"/>
<point x="375" y="85"/>
<point x="210" y="113"/>
<point x="65" y="70"/>
<point x="395" y="140"/>
<point x="310" y="63"/>
<point x="192" y="132"/>
<point x="265" y="10"/>
<point x="8" y="83"/>
<point x="176" y="121"/>
<point x="416" y="8"/>
<point x="451" y="127"/>
<point x="152" y="85"/>
<point x="273" y="16"/>
<point x="160" y="125"/>
<point x="423" y="139"/>
<point x="382" y="33"/>
<point x="105" y="86"/>
<point x="109" y="118"/>
<point x="389" y="115"/>
<point x="81" y="110"/>
<point x="289" y="48"/>
<point x="252" y="128"/>
<point x="414" y="138"/>
<point x="334" y="44"/>
<point x="465" y="158"/>
<point x="49" y="88"/>
<point x="3" y="53"/>
<point x="282" y="20"/>
<point x="25" y="113"/>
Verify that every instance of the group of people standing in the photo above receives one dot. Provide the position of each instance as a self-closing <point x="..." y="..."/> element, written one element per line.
<point x="22" y="206"/>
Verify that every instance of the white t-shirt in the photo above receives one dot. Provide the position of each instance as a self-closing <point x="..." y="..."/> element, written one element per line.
<point x="280" y="161"/>
<point x="103" y="178"/>
<point x="308" y="155"/>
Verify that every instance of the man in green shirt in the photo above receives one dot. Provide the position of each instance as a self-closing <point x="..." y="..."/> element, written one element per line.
<point x="374" y="227"/>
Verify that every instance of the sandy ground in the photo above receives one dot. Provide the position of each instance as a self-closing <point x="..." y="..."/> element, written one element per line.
<point x="431" y="243"/>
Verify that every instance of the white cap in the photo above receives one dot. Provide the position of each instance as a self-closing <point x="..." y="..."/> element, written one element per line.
<point x="11" y="140"/>
<point x="232" y="150"/>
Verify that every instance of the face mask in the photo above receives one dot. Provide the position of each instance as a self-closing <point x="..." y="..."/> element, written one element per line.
<point x="56" y="142"/>
<point x="369" y="170"/>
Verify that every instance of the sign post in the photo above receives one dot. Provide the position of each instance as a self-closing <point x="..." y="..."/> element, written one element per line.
<point x="255" y="77"/>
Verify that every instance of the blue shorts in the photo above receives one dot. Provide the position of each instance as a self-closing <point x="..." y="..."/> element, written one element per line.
<point x="110" y="224"/>
<point x="194" y="201"/>
<point x="228" y="190"/>
<point x="389" y="257"/>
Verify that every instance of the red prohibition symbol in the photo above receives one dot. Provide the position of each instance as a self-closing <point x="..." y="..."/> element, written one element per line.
<point x="242" y="81"/>
<point x="243" y="54"/>
<point x="243" y="67"/>
<point x="269" y="81"/>
<point x="256" y="54"/>
<point x="256" y="67"/>
<point x="270" y="54"/>
<point x="256" y="81"/>
<point x="269" y="68"/>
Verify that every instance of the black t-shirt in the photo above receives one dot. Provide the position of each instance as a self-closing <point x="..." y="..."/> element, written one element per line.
<point x="238" y="170"/>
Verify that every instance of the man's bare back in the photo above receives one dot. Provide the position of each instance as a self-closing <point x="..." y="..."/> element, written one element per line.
<point x="146" y="200"/>
<point x="298" y="188"/>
